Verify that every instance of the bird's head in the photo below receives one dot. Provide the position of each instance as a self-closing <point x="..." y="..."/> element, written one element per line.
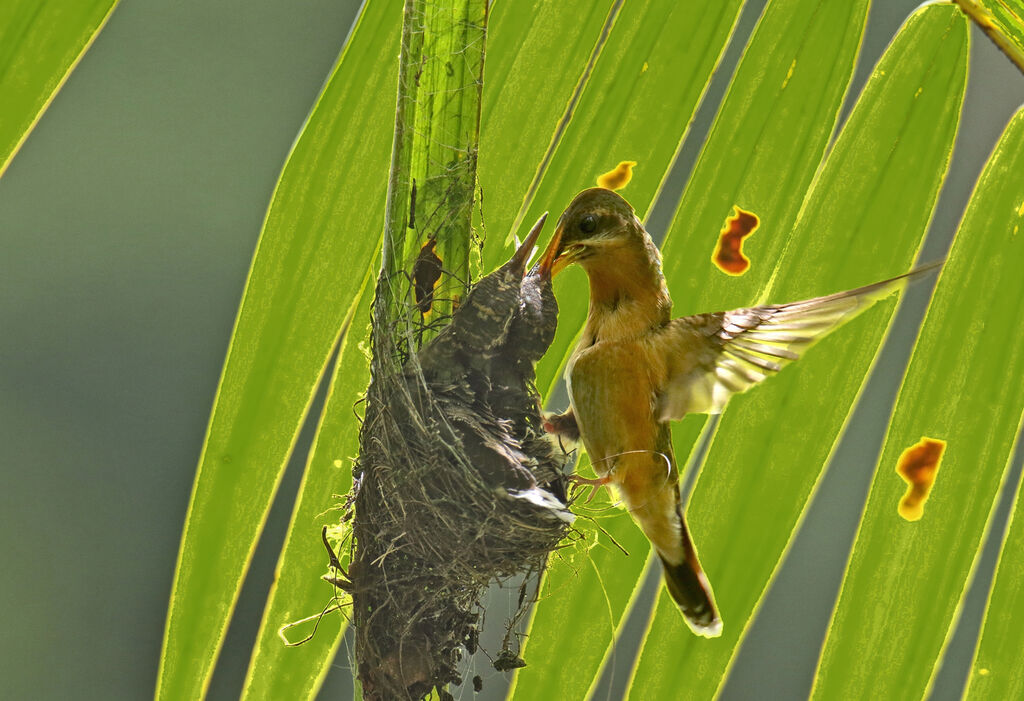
<point x="593" y="230"/>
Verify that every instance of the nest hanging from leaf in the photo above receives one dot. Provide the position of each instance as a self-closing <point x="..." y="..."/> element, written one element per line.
<point x="457" y="484"/>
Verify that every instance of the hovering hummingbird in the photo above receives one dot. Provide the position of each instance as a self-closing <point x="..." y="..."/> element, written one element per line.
<point x="635" y="369"/>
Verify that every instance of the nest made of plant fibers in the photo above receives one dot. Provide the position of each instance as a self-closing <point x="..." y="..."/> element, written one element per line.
<point x="457" y="485"/>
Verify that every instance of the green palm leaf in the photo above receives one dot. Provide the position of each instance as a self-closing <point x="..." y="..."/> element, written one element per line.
<point x="1002" y="21"/>
<point x="568" y="93"/>
<point x="772" y="444"/>
<point x="294" y="306"/>
<point x="40" y="43"/>
<point x="275" y="670"/>
<point x="291" y="317"/>
<point x="733" y="169"/>
<point x="905" y="579"/>
<point x="592" y="583"/>
<point x="994" y="673"/>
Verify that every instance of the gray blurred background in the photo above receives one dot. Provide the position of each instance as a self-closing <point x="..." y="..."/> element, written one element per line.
<point x="127" y="223"/>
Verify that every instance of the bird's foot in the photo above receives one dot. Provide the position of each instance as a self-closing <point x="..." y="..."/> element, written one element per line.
<point x="594" y="483"/>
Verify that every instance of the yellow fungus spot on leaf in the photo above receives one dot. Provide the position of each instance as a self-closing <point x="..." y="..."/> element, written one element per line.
<point x="918" y="466"/>
<point x="728" y="255"/>
<point x="789" y="75"/>
<point x="644" y="69"/>
<point x="618" y="177"/>
<point x="337" y="462"/>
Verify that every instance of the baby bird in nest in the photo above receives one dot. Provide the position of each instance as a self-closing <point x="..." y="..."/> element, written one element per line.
<point x="635" y="369"/>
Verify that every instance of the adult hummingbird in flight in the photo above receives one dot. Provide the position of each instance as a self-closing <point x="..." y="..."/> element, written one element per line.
<point x="636" y="369"/>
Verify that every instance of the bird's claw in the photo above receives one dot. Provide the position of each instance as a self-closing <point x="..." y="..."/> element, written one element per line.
<point x="594" y="483"/>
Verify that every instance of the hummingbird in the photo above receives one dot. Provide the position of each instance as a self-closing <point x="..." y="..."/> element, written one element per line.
<point x="636" y="369"/>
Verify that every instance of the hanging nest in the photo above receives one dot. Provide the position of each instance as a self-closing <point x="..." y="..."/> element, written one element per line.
<point x="457" y="485"/>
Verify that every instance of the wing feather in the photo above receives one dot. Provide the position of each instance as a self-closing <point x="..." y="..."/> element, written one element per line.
<point x="726" y="353"/>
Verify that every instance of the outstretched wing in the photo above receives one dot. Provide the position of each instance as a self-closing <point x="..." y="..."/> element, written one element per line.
<point x="725" y="353"/>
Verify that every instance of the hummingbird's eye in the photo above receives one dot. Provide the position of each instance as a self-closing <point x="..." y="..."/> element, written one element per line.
<point x="588" y="224"/>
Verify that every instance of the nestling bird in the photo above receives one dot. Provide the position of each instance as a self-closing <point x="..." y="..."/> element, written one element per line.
<point x="635" y="369"/>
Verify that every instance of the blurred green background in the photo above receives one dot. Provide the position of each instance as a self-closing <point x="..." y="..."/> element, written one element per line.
<point x="127" y="223"/>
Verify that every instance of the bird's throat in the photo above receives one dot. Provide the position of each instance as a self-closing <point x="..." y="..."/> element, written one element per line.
<point x="628" y="295"/>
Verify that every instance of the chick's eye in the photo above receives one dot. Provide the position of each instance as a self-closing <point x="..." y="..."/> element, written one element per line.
<point x="588" y="224"/>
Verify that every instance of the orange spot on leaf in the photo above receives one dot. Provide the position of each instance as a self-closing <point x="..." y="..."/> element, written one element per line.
<point x="728" y="255"/>
<point x="618" y="177"/>
<point x="917" y="466"/>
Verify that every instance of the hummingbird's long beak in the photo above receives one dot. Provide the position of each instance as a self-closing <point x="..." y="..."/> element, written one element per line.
<point x="525" y="250"/>
<point x="552" y="261"/>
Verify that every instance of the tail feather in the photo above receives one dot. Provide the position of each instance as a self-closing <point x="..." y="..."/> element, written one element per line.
<point x="690" y="589"/>
<point x="655" y="504"/>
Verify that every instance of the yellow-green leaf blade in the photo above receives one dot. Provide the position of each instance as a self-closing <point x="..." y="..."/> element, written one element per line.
<point x="802" y="53"/>
<point x="275" y="670"/>
<point x="639" y="114"/>
<point x="433" y="161"/>
<point x="318" y="239"/>
<point x="863" y="221"/>
<point x="764" y="148"/>
<point x="905" y="579"/>
<point x="1002" y="21"/>
<point x="514" y="57"/>
<point x="592" y="585"/>
<point x="1009" y="16"/>
<point x="542" y="52"/>
<point x="995" y="672"/>
<point x="40" y="44"/>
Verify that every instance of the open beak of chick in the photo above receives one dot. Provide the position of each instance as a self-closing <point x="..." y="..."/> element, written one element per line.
<point x="525" y="250"/>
